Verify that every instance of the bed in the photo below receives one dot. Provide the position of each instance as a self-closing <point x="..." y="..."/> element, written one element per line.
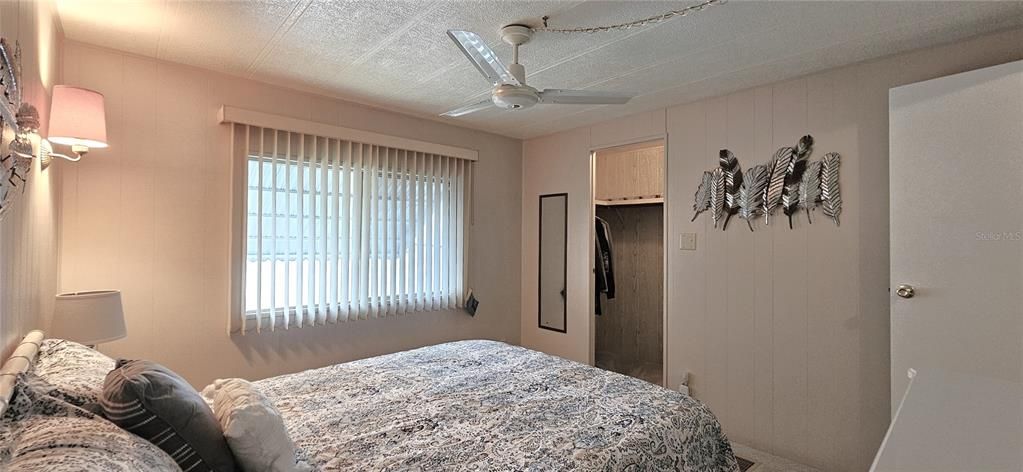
<point x="466" y="405"/>
<point x="485" y="405"/>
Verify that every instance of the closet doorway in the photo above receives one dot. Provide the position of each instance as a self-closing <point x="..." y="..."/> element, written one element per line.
<point x="628" y="207"/>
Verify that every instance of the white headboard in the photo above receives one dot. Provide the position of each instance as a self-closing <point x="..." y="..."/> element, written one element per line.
<point x="20" y="361"/>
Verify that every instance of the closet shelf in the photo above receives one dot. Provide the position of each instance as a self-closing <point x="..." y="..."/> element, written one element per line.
<point x="634" y="201"/>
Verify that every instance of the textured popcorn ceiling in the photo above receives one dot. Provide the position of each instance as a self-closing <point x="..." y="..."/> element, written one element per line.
<point x="394" y="54"/>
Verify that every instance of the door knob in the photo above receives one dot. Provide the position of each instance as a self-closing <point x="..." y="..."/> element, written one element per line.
<point x="905" y="291"/>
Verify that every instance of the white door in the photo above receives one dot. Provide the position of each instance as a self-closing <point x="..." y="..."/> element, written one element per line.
<point x="956" y="181"/>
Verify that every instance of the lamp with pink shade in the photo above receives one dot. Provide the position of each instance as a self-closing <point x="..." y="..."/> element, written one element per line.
<point x="77" y="119"/>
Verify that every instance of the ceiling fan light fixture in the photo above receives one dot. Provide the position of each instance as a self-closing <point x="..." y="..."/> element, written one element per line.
<point x="511" y="97"/>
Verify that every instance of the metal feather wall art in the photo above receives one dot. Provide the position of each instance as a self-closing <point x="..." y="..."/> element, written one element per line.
<point x="790" y="194"/>
<point x="751" y="194"/>
<point x="717" y="195"/>
<point x="701" y="200"/>
<point x="10" y="76"/>
<point x="733" y="180"/>
<point x="15" y="167"/>
<point x="789" y="180"/>
<point x="831" y="195"/>
<point x="810" y="188"/>
<point x="779" y="167"/>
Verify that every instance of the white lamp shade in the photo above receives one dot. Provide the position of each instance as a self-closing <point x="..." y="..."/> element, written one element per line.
<point x="88" y="317"/>
<point x="77" y="117"/>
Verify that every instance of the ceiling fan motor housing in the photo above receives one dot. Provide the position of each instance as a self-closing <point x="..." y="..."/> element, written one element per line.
<point x="516" y="35"/>
<point x="510" y="97"/>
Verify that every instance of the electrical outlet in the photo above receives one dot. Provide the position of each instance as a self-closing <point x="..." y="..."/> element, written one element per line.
<point x="683" y="385"/>
<point x="687" y="241"/>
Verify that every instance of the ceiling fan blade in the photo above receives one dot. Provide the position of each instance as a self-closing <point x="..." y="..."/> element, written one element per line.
<point x="582" y="97"/>
<point x="482" y="57"/>
<point x="475" y="107"/>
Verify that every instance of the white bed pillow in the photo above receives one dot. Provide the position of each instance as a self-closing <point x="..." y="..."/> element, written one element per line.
<point x="253" y="428"/>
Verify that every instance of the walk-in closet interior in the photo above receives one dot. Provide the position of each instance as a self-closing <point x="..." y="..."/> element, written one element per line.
<point x="629" y="260"/>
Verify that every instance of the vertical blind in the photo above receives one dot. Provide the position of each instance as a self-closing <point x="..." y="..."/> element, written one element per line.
<point x="337" y="230"/>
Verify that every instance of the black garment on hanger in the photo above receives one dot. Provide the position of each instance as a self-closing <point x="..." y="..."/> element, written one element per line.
<point x="604" y="261"/>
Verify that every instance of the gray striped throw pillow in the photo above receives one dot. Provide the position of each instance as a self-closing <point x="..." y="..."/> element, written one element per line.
<point x="156" y="404"/>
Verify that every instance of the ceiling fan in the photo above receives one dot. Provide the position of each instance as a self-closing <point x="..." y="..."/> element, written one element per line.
<point x="510" y="90"/>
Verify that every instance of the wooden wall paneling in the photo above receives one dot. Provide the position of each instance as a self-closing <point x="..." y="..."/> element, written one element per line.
<point x="28" y="233"/>
<point x="138" y="268"/>
<point x="630" y="330"/>
<point x="843" y="306"/>
<point x="716" y="322"/>
<point x="763" y="290"/>
<point x="568" y="172"/>
<point x="821" y="259"/>
<point x="69" y="202"/>
<point x="217" y="276"/>
<point x="687" y="294"/>
<point x="179" y="246"/>
<point x="741" y="268"/>
<point x="865" y="301"/>
<point x="790" y="286"/>
<point x="627" y="129"/>
<point x="97" y="195"/>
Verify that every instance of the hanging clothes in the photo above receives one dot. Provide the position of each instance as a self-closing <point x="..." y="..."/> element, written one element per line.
<point x="604" y="261"/>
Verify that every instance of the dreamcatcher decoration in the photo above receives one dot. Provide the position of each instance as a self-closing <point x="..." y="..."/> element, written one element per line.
<point x="17" y="121"/>
<point x="790" y="181"/>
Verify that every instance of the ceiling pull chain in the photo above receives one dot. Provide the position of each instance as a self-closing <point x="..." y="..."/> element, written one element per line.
<point x="632" y="24"/>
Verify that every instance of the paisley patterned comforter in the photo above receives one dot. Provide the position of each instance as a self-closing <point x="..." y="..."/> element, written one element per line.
<point x="485" y="405"/>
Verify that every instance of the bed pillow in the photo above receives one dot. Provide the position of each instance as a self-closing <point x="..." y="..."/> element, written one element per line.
<point x="45" y="434"/>
<point x="74" y="371"/>
<point x="252" y="426"/>
<point x="153" y="402"/>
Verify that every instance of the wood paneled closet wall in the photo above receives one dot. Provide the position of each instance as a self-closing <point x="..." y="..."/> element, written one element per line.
<point x="629" y="196"/>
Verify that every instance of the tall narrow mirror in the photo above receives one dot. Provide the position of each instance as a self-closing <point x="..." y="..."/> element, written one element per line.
<point x="553" y="261"/>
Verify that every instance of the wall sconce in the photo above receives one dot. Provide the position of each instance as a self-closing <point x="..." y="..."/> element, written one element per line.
<point x="77" y="119"/>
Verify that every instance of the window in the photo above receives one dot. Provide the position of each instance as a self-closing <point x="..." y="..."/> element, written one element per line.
<point x="336" y="230"/>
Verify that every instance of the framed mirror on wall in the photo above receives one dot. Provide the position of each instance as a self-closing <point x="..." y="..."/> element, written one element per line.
<point x="553" y="263"/>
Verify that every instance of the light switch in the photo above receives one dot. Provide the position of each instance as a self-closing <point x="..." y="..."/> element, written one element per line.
<point x="687" y="241"/>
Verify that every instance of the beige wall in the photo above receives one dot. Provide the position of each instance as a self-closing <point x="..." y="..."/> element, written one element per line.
<point x="149" y="216"/>
<point x="28" y="241"/>
<point x="785" y="332"/>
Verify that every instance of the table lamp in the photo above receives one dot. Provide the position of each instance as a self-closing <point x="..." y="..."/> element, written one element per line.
<point x="89" y="318"/>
